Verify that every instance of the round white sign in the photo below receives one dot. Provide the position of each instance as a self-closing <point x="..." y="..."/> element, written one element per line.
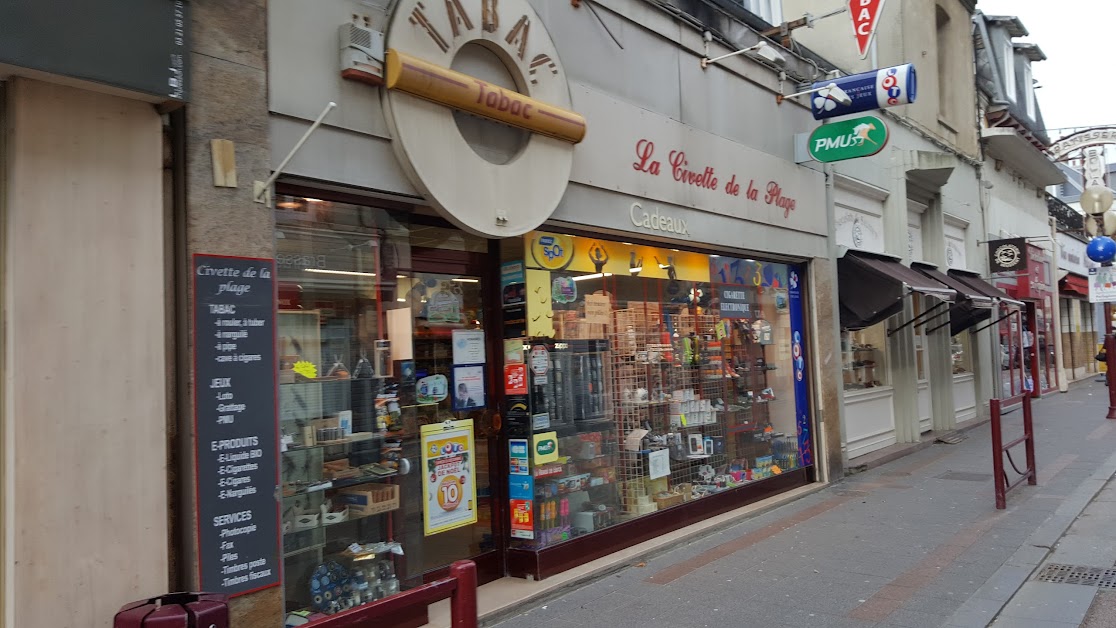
<point x="515" y="191"/>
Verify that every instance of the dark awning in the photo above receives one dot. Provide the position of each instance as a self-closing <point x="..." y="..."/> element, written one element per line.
<point x="974" y="281"/>
<point x="964" y="291"/>
<point x="1074" y="285"/>
<point x="872" y="287"/>
<point x="971" y="306"/>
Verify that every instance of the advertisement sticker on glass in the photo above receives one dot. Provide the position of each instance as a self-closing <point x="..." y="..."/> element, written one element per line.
<point x="449" y="491"/>
<point x="468" y="387"/>
<point x="468" y="346"/>
<point x="522" y="519"/>
<point x="431" y="389"/>
<point x="519" y="456"/>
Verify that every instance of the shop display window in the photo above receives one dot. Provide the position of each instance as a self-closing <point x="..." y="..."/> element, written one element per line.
<point x="372" y="309"/>
<point x="864" y="357"/>
<point x="960" y="348"/>
<point x="653" y="377"/>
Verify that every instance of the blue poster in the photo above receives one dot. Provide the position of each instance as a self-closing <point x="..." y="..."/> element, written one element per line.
<point x="798" y="357"/>
<point x="513" y="284"/>
<point x="521" y="487"/>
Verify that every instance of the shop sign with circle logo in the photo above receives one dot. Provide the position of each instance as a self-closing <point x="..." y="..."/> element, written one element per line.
<point x="848" y="139"/>
<point x="494" y="60"/>
<point x="552" y="251"/>
<point x="1007" y="255"/>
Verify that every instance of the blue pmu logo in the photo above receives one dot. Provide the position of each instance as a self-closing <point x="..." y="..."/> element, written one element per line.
<point x="551" y="248"/>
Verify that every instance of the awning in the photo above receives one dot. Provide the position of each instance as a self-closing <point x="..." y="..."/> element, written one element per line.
<point x="971" y="307"/>
<point x="974" y="281"/>
<point x="964" y="291"/>
<point x="872" y="288"/>
<point x="1075" y="285"/>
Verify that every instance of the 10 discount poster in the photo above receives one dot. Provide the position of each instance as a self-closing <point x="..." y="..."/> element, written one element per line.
<point x="449" y="489"/>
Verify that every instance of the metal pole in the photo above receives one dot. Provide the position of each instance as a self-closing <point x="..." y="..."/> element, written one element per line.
<point x="998" y="453"/>
<point x="1029" y="443"/>
<point x="1110" y="355"/>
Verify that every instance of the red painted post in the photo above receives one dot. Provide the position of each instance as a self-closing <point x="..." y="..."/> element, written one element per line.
<point x="998" y="452"/>
<point x="1110" y="354"/>
<point x="1029" y="432"/>
<point x="463" y="602"/>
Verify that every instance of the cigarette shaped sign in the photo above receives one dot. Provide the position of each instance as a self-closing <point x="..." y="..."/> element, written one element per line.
<point x="865" y="16"/>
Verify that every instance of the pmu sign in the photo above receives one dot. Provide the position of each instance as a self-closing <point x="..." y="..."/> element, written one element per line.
<point x="878" y="89"/>
<point x="865" y="16"/>
<point x="848" y="139"/>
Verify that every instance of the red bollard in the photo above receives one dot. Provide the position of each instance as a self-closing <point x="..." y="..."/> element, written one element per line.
<point x="463" y="602"/>
<point x="1110" y="355"/>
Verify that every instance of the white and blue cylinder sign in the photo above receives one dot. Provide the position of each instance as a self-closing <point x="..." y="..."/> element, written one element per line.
<point x="879" y="89"/>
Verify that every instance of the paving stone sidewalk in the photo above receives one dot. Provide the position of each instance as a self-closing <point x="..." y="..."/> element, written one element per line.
<point x="916" y="542"/>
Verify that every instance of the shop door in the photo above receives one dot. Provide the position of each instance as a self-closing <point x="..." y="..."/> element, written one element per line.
<point x="447" y="310"/>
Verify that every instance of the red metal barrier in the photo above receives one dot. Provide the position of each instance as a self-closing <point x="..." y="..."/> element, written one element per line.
<point x="1000" y="449"/>
<point x="460" y="587"/>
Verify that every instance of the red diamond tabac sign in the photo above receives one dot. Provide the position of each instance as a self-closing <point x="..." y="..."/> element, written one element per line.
<point x="865" y="16"/>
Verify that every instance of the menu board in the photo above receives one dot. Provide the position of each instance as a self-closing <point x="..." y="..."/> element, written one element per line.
<point x="235" y="424"/>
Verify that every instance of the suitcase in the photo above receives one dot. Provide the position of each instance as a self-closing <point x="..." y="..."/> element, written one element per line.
<point x="176" y="610"/>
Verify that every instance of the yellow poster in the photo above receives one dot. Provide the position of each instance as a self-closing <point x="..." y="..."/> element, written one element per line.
<point x="545" y="447"/>
<point x="540" y="304"/>
<point x="576" y="254"/>
<point x="449" y="487"/>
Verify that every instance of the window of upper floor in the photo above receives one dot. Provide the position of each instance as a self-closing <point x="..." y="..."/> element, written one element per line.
<point x="1007" y="54"/>
<point x="1029" y="90"/>
<point x="770" y="10"/>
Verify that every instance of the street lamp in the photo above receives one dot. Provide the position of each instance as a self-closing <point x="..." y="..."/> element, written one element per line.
<point x="1096" y="200"/>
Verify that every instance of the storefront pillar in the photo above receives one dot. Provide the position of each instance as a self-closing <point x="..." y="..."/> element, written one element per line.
<point x="830" y="421"/>
<point x="904" y="373"/>
<point x="229" y="102"/>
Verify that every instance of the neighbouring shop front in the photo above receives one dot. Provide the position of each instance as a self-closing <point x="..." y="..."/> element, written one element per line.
<point x="1024" y="273"/>
<point x="1077" y="325"/>
<point x="493" y="347"/>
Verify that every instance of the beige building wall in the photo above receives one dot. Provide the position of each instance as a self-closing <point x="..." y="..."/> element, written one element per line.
<point x="84" y="392"/>
<point x="909" y="32"/>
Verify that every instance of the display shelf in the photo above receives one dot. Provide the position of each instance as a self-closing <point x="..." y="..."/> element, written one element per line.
<point x="304" y="550"/>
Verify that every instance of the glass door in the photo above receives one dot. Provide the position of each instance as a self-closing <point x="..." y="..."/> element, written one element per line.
<point x="451" y="383"/>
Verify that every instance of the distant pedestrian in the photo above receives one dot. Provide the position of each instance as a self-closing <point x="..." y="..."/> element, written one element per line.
<point x="1102" y="357"/>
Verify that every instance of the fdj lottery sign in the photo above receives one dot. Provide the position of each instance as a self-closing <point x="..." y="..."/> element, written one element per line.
<point x="887" y="87"/>
<point x="848" y="139"/>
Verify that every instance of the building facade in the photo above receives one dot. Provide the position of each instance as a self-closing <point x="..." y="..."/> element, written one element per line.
<point x="530" y="343"/>
<point x="912" y="365"/>
<point x="1017" y="171"/>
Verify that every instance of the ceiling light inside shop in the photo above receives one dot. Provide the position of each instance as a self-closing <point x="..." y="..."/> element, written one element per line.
<point x="289" y="205"/>
<point x="312" y="200"/>
<point x="593" y="276"/>
<point x="465" y="280"/>
<point x="402" y="299"/>
<point x="326" y="271"/>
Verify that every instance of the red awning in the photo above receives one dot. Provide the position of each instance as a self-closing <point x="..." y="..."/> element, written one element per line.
<point x="1075" y="285"/>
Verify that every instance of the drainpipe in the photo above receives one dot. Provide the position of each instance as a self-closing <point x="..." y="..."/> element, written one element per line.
<point x="1063" y="384"/>
<point x="837" y="414"/>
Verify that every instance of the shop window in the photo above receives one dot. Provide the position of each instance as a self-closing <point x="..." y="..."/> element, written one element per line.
<point x="864" y="357"/>
<point x="653" y="377"/>
<point x="960" y="347"/>
<point x="376" y="311"/>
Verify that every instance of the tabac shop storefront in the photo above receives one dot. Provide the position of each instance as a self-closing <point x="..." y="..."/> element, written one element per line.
<point x="558" y="352"/>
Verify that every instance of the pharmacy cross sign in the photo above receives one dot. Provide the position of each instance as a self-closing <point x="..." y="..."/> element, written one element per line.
<point x="848" y="139"/>
<point x="865" y="16"/>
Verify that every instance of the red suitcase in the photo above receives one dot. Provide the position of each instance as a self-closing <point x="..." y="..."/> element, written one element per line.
<point x="175" y="610"/>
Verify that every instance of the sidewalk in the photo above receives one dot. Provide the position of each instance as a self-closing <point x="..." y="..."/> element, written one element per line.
<point x="915" y="542"/>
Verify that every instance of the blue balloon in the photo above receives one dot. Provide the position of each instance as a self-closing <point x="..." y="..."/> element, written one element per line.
<point x="1101" y="249"/>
